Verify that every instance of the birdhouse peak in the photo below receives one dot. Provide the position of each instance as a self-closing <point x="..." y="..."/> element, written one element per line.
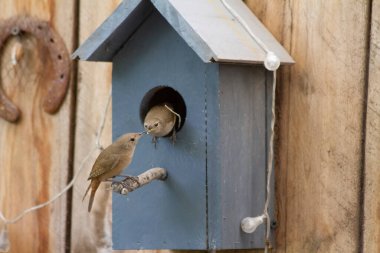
<point x="216" y="30"/>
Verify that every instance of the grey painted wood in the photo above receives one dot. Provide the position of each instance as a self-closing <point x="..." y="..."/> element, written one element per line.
<point x="215" y="25"/>
<point x="184" y="29"/>
<point x="206" y="26"/>
<point x="214" y="196"/>
<point x="170" y="214"/>
<point x="236" y="148"/>
<point x="108" y="38"/>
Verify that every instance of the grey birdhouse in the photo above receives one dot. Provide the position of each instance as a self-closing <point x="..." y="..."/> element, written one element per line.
<point x="197" y="56"/>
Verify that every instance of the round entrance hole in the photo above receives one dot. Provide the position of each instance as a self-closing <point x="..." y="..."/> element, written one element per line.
<point x="160" y="95"/>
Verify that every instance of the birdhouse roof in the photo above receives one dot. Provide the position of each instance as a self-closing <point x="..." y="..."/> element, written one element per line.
<point x="214" y="32"/>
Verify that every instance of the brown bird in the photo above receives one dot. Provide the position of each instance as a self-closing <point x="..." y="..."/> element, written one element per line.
<point x="160" y="121"/>
<point x="111" y="162"/>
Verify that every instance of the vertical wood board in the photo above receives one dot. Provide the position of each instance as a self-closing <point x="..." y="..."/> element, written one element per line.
<point x="91" y="232"/>
<point x="34" y="152"/>
<point x="371" y="237"/>
<point x="236" y="145"/>
<point x="320" y="122"/>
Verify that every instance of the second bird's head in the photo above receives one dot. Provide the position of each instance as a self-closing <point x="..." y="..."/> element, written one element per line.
<point x="153" y="126"/>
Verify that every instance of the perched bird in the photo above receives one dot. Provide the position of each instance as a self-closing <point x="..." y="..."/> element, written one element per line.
<point x="160" y="121"/>
<point x="111" y="162"/>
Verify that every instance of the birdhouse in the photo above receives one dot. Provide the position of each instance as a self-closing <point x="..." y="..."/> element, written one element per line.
<point x="201" y="58"/>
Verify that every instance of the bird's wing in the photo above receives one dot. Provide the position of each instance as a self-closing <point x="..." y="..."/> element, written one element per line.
<point x="103" y="164"/>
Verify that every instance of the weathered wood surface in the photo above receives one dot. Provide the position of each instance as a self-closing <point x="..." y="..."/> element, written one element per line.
<point x="240" y="113"/>
<point x="319" y="156"/>
<point x="371" y="237"/>
<point x="34" y="153"/>
<point x="91" y="232"/>
<point x="320" y="109"/>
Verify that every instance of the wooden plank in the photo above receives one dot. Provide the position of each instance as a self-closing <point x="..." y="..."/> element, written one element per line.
<point x="371" y="237"/>
<point x="34" y="153"/>
<point x="320" y="122"/>
<point x="91" y="231"/>
<point x="237" y="157"/>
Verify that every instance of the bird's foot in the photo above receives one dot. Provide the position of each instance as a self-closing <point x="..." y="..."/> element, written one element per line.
<point x="133" y="178"/>
<point x="174" y="136"/>
<point x="112" y="180"/>
<point x="154" y="141"/>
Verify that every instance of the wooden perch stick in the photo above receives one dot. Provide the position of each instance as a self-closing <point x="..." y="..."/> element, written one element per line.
<point x="129" y="184"/>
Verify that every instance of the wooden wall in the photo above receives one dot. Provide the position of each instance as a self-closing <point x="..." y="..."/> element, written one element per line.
<point x="35" y="152"/>
<point x="371" y="156"/>
<point x="328" y="131"/>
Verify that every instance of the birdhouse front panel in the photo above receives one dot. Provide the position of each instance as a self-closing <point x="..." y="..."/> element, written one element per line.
<point x="170" y="214"/>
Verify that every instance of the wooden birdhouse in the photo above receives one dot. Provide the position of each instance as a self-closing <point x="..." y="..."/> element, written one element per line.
<point x="197" y="56"/>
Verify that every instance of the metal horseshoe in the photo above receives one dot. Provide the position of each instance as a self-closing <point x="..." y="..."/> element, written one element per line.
<point x="59" y="57"/>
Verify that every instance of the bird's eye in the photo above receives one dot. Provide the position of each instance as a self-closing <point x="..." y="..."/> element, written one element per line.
<point x="156" y="124"/>
<point x="132" y="139"/>
<point x="146" y="126"/>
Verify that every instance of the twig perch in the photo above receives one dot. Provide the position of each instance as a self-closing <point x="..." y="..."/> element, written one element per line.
<point x="132" y="183"/>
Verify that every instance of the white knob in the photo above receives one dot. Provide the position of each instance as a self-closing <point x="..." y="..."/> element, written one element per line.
<point x="249" y="224"/>
<point x="271" y="62"/>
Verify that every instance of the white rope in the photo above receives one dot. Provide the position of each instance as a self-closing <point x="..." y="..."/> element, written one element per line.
<point x="270" y="163"/>
<point x="103" y="122"/>
<point x="64" y="190"/>
<point x="176" y="114"/>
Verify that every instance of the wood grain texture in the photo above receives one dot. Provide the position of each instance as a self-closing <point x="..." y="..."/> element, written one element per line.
<point x="236" y="187"/>
<point x="91" y="232"/>
<point x="371" y="237"/>
<point x="34" y="153"/>
<point x="320" y="122"/>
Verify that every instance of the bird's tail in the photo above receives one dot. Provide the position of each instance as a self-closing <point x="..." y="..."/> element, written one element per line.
<point x="88" y="188"/>
<point x="93" y="186"/>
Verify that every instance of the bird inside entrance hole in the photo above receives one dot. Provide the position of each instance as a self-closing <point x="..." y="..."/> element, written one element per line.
<point x="160" y="121"/>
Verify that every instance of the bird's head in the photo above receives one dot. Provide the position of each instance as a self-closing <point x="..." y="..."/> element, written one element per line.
<point x="153" y="126"/>
<point x="131" y="139"/>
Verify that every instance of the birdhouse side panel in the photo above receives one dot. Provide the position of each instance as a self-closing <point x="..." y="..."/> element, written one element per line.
<point x="236" y="147"/>
<point x="167" y="214"/>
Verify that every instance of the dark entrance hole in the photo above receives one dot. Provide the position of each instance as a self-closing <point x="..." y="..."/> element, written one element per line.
<point x="160" y="95"/>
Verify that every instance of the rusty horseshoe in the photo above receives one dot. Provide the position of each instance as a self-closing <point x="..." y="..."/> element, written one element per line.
<point x="59" y="57"/>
